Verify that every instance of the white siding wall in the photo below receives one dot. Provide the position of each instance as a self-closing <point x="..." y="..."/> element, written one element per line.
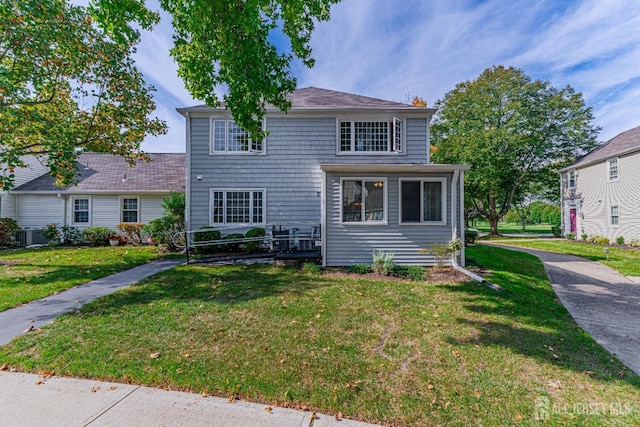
<point x="37" y="210"/>
<point x="596" y="194"/>
<point x="33" y="170"/>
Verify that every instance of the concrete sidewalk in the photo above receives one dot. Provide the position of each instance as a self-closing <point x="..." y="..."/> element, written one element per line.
<point x="31" y="400"/>
<point x="602" y="301"/>
<point x="16" y="321"/>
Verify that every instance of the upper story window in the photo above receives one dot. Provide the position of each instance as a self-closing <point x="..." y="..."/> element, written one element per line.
<point x="371" y="136"/>
<point x="423" y="201"/>
<point x="228" y="137"/>
<point x="571" y="179"/>
<point x="613" y="169"/>
<point x="364" y="200"/>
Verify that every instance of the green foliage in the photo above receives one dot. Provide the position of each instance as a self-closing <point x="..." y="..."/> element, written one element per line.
<point x="584" y="236"/>
<point x="8" y="229"/>
<point x="359" y="268"/>
<point x="132" y="231"/>
<point x="383" y="262"/>
<point x="513" y="131"/>
<point x="443" y="251"/>
<point x="601" y="240"/>
<point x="206" y="234"/>
<point x="411" y="272"/>
<point x="254" y="232"/>
<point x="96" y="236"/>
<point x="67" y="87"/>
<point x="620" y="240"/>
<point x="634" y="242"/>
<point x="233" y="246"/>
<point x="556" y="230"/>
<point x="470" y="236"/>
<point x="70" y="234"/>
<point x="52" y="233"/>
<point x="174" y="209"/>
<point x="570" y="236"/>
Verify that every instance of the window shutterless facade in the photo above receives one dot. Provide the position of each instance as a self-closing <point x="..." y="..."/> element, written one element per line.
<point x="571" y="179"/>
<point x="612" y="167"/>
<point x="237" y="206"/>
<point x="614" y="217"/>
<point x="364" y="200"/>
<point x="80" y="211"/>
<point x="130" y="209"/>
<point x="367" y="137"/>
<point x="229" y="138"/>
<point x="423" y="201"/>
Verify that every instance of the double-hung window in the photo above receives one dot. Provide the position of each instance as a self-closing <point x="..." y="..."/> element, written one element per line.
<point x="237" y="206"/>
<point x="614" y="217"/>
<point x="130" y="209"/>
<point x="613" y="169"/>
<point x="228" y="137"/>
<point x="384" y="136"/>
<point x="80" y="210"/>
<point x="571" y="178"/>
<point x="423" y="201"/>
<point x="364" y="200"/>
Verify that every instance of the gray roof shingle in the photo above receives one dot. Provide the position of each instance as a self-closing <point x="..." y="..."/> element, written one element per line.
<point x="105" y="173"/>
<point x="624" y="143"/>
<point x="326" y="99"/>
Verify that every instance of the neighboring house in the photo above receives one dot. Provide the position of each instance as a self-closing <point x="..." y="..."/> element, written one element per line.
<point x="600" y="192"/>
<point x="357" y="167"/>
<point x="107" y="193"/>
<point x="33" y="170"/>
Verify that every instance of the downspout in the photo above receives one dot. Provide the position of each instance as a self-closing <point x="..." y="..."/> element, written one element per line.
<point x="187" y="189"/>
<point x="454" y="205"/>
<point x="323" y="220"/>
<point x="462" y="223"/>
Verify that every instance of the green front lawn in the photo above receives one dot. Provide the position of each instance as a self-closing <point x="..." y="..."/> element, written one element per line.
<point x="624" y="260"/>
<point x="513" y="228"/>
<point x="386" y="351"/>
<point x="30" y="274"/>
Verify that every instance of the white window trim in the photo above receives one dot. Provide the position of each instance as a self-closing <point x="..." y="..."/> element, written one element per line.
<point x="122" y="209"/>
<point x="385" y="204"/>
<point x="224" y="214"/>
<point x="571" y="172"/>
<point x="73" y="210"/>
<point x="609" y="179"/>
<point x="611" y="216"/>
<point x="390" y="134"/>
<point x="443" y="181"/>
<point x="250" y="152"/>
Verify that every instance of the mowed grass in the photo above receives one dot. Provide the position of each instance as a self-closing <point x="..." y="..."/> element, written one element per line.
<point x="30" y="274"/>
<point x="513" y="227"/>
<point x="624" y="260"/>
<point x="389" y="352"/>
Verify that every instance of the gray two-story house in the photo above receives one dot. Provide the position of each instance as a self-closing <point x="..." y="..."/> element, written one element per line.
<point x="355" y="166"/>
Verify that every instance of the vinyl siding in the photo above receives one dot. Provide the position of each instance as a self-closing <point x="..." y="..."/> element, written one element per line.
<point x="289" y="170"/>
<point x="37" y="210"/>
<point x="348" y="244"/>
<point x="33" y="170"/>
<point x="595" y="194"/>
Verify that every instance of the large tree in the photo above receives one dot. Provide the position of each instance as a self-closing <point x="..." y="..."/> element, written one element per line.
<point x="512" y="131"/>
<point x="228" y="45"/>
<point x="66" y="87"/>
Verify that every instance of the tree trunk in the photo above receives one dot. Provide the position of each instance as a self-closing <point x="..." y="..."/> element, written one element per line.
<point x="493" y="223"/>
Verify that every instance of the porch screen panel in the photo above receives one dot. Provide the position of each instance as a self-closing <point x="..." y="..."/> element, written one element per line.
<point x="352" y="201"/>
<point x="374" y="201"/>
<point x="432" y="194"/>
<point x="410" y="201"/>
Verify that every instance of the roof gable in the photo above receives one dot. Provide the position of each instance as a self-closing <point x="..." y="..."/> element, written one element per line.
<point x="623" y="143"/>
<point x="108" y="173"/>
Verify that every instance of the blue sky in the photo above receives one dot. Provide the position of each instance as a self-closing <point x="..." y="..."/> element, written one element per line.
<point x="392" y="49"/>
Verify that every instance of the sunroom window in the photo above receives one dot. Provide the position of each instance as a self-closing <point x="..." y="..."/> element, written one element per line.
<point x="423" y="201"/>
<point x="363" y="200"/>
<point x="371" y="136"/>
<point x="229" y="137"/>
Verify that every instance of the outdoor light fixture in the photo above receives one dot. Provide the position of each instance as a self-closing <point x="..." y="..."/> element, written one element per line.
<point x="606" y="252"/>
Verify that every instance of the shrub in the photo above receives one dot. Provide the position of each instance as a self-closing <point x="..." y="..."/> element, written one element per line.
<point x="470" y="236"/>
<point x="161" y="230"/>
<point x="96" y="236"/>
<point x="234" y="246"/>
<point x="70" y="234"/>
<point x="570" y="236"/>
<point x="601" y="240"/>
<point x="584" y="236"/>
<point x="359" y="268"/>
<point x="556" y="230"/>
<point x="634" y="242"/>
<point x="383" y="262"/>
<point x="443" y="251"/>
<point x="206" y="234"/>
<point x="132" y="231"/>
<point x="8" y="229"/>
<point x="411" y="272"/>
<point x="311" y="268"/>
<point x="53" y="234"/>
<point x="620" y="240"/>
<point x="254" y="232"/>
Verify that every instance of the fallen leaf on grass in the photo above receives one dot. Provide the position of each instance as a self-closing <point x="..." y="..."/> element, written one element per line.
<point x="154" y="355"/>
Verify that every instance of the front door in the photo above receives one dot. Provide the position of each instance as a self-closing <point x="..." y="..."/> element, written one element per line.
<point x="572" y="219"/>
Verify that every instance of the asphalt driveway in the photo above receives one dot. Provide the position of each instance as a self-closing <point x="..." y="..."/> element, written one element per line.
<point x="603" y="302"/>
